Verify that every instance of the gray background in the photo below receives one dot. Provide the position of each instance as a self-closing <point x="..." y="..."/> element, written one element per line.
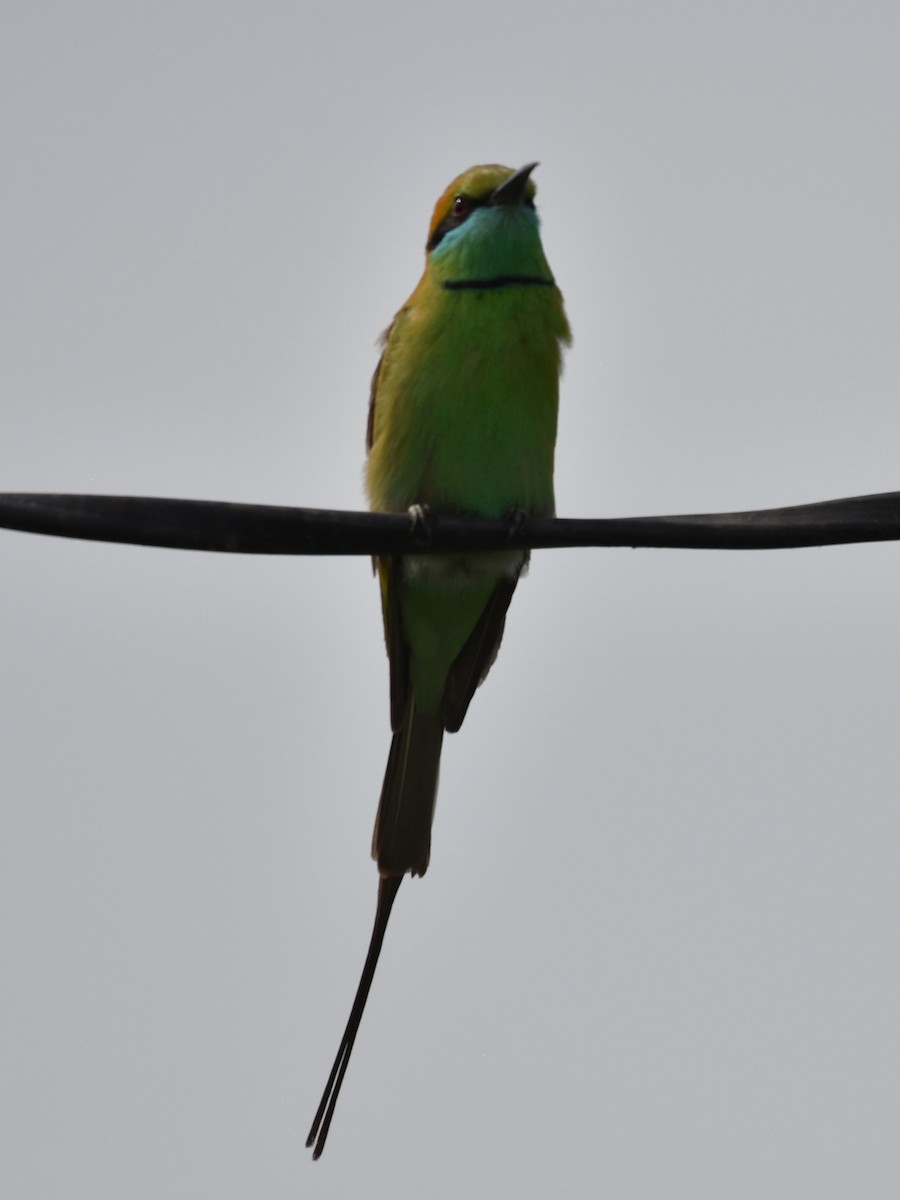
<point x="656" y="954"/>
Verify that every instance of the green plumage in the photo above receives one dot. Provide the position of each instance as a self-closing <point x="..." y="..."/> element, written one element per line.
<point x="462" y="419"/>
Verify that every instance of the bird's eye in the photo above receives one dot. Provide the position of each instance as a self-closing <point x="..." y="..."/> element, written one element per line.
<point x="459" y="211"/>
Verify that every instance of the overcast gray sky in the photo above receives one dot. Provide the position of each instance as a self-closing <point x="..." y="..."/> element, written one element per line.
<point x="656" y="954"/>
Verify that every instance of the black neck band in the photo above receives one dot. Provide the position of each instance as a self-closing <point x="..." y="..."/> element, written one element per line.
<point x="498" y="281"/>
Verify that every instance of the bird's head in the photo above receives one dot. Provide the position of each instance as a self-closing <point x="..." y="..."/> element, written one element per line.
<point x="485" y="227"/>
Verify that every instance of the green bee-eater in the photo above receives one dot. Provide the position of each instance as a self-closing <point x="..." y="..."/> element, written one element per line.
<point x="462" y="419"/>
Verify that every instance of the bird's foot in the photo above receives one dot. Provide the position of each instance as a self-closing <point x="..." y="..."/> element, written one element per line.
<point x="422" y="520"/>
<point x="515" y="518"/>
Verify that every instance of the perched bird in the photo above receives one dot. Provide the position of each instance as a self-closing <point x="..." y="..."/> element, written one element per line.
<point x="462" y="419"/>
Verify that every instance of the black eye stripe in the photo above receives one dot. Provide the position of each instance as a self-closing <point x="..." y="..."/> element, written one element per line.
<point x="454" y="220"/>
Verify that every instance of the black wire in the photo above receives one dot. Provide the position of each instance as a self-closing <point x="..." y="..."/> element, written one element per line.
<point x="222" y="527"/>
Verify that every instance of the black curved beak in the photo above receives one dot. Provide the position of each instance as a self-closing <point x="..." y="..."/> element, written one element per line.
<point x="512" y="190"/>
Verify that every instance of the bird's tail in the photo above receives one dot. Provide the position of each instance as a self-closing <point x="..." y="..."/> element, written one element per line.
<point x="402" y="838"/>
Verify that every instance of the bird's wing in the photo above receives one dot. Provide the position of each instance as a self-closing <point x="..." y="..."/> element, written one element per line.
<point x="471" y="665"/>
<point x="383" y="341"/>
<point x="389" y="571"/>
<point x="373" y="391"/>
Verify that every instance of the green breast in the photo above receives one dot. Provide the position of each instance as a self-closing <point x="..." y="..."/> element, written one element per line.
<point x="467" y="402"/>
